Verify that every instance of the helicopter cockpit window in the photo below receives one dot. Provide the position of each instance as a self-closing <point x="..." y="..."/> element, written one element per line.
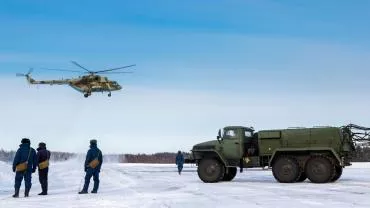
<point x="230" y="133"/>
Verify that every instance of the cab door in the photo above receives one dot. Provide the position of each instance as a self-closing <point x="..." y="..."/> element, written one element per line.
<point x="232" y="144"/>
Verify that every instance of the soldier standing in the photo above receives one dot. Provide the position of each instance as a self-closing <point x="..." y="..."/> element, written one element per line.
<point x="179" y="161"/>
<point x="43" y="157"/>
<point x="24" y="164"/>
<point x="92" y="166"/>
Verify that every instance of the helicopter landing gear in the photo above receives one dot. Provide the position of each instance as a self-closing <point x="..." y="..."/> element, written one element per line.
<point x="87" y="94"/>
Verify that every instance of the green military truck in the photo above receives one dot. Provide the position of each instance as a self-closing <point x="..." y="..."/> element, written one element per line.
<point x="293" y="154"/>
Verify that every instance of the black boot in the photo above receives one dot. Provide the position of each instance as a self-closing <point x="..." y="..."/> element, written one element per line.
<point x="85" y="188"/>
<point x="16" y="193"/>
<point x="43" y="193"/>
<point x="82" y="192"/>
<point x="26" y="192"/>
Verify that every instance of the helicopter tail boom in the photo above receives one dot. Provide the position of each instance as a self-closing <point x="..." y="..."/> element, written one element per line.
<point x="30" y="80"/>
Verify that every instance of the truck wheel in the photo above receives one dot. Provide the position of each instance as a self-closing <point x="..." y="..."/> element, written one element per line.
<point x="210" y="170"/>
<point x="319" y="169"/>
<point x="230" y="175"/>
<point x="286" y="169"/>
<point x="338" y="173"/>
<point x="302" y="178"/>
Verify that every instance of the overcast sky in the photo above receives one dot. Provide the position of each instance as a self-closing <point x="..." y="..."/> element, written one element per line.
<point x="200" y="66"/>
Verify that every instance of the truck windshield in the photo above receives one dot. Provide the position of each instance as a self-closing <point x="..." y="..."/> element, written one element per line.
<point x="248" y="134"/>
<point x="230" y="133"/>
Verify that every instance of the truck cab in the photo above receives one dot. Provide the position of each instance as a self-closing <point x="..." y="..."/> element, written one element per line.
<point x="232" y="140"/>
<point x="236" y="146"/>
<point x="237" y="142"/>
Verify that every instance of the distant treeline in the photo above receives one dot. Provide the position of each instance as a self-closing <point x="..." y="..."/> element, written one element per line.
<point x="60" y="156"/>
<point x="362" y="154"/>
<point x="8" y="156"/>
<point x="163" y="157"/>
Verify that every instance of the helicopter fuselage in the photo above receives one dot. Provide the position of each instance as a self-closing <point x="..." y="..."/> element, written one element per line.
<point x="85" y="84"/>
<point x="94" y="83"/>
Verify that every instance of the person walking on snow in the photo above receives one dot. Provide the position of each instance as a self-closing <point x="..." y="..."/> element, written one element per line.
<point x="179" y="161"/>
<point x="24" y="164"/>
<point x="43" y="156"/>
<point x="92" y="166"/>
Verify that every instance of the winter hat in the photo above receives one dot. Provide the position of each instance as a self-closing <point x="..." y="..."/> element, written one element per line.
<point x="42" y="145"/>
<point x="93" y="141"/>
<point x="25" y="141"/>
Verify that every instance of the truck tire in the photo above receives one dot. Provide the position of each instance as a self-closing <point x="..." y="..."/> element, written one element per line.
<point x="230" y="175"/>
<point x="302" y="178"/>
<point x="319" y="169"/>
<point x="338" y="173"/>
<point x="286" y="169"/>
<point x="210" y="170"/>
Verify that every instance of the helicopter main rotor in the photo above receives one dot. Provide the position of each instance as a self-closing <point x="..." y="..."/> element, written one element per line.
<point x="107" y="71"/>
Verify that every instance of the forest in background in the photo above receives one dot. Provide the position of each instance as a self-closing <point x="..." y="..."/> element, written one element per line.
<point x="362" y="154"/>
<point x="162" y="157"/>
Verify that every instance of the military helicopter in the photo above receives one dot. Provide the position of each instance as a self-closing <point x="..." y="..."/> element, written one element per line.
<point x="86" y="84"/>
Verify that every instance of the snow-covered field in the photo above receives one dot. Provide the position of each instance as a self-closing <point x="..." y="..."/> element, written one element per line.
<point x="148" y="185"/>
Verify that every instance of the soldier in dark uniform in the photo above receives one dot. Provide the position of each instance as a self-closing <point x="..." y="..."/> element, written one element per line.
<point x="24" y="164"/>
<point x="92" y="166"/>
<point x="43" y="157"/>
<point x="179" y="161"/>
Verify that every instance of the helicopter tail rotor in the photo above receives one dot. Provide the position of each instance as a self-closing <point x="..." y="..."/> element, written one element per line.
<point x="25" y="75"/>
<point x="28" y="77"/>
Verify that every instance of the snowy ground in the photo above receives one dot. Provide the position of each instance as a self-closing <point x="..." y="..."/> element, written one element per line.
<point x="146" y="185"/>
